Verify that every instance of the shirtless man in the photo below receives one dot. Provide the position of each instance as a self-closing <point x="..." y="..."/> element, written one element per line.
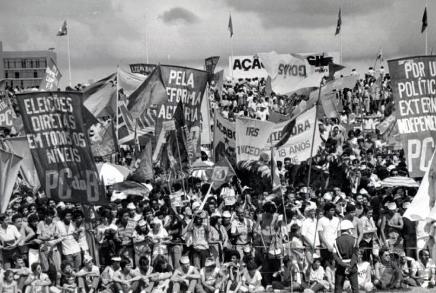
<point x="392" y="221"/>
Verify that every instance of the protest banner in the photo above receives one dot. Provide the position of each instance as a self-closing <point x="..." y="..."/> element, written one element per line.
<point x="188" y="85"/>
<point x="9" y="167"/>
<point x="414" y="88"/>
<point x="59" y="146"/>
<point x="7" y="114"/>
<point x="298" y="146"/>
<point x="288" y="71"/>
<point x="224" y="137"/>
<point x="246" y="67"/>
<point x="52" y="77"/>
<point x="251" y="138"/>
<point x="142" y="68"/>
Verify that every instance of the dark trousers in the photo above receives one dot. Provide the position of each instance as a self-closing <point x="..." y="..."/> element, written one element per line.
<point x="340" y="279"/>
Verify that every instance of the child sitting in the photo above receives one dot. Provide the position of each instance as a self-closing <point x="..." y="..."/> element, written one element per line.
<point x="9" y="285"/>
<point x="317" y="276"/>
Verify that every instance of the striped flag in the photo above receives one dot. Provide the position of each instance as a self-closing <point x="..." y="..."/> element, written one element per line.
<point x="339" y="24"/>
<point x="230" y="26"/>
<point x="62" y="30"/>
<point x="424" y="21"/>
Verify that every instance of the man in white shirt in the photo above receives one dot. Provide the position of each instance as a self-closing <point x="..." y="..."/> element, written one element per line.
<point x="328" y="227"/>
<point x="308" y="228"/>
<point x="70" y="247"/>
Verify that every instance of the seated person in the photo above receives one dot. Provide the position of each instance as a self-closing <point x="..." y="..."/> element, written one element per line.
<point x="88" y="276"/>
<point x="211" y="277"/>
<point x="409" y="269"/>
<point x="8" y="284"/>
<point x="387" y="273"/>
<point x="37" y="280"/>
<point x="289" y="275"/>
<point x="69" y="284"/>
<point x="161" y="276"/>
<point x="426" y="269"/>
<point x="108" y="274"/>
<point x="363" y="275"/>
<point x="317" y="277"/>
<point x="251" y="280"/>
<point x="20" y="270"/>
<point x="186" y="278"/>
<point x="232" y="271"/>
<point x="122" y="278"/>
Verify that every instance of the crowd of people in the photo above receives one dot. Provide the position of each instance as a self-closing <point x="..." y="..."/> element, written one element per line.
<point x="343" y="230"/>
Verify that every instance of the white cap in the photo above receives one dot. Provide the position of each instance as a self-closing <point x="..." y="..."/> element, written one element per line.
<point x="392" y="206"/>
<point x="116" y="258"/>
<point x="227" y="214"/>
<point x="87" y="258"/>
<point x="184" y="259"/>
<point x="346" y="225"/>
<point x="131" y="206"/>
<point x="328" y="196"/>
<point x="61" y="205"/>
<point x="195" y="205"/>
<point x="363" y="191"/>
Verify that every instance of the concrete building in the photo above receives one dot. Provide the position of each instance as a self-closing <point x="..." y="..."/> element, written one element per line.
<point x="24" y="68"/>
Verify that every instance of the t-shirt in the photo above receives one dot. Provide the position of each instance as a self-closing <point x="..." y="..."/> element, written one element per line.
<point x="330" y="229"/>
<point x="212" y="276"/>
<point x="363" y="270"/>
<point x="254" y="281"/>
<point x="10" y="234"/>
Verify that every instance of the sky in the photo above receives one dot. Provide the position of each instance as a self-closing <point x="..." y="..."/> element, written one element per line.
<point x="107" y="33"/>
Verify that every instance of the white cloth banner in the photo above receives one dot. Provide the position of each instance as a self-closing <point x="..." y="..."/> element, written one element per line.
<point x="290" y="72"/>
<point x="246" y="67"/>
<point x="298" y="147"/>
<point x="286" y="70"/>
<point x="422" y="207"/>
<point x="252" y="138"/>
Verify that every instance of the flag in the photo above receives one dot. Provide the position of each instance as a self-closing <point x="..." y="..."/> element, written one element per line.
<point x="100" y="97"/>
<point x="380" y="55"/>
<point x="230" y="26"/>
<point x="52" y="77"/>
<point x="286" y="132"/>
<point x="222" y="172"/>
<point x="151" y="92"/>
<point x="275" y="179"/>
<point x="9" y="167"/>
<point x="339" y="24"/>
<point x="62" y="30"/>
<point x="20" y="147"/>
<point x="144" y="171"/>
<point x="424" y="20"/>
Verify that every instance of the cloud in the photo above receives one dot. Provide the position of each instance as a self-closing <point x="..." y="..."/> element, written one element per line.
<point x="178" y="15"/>
<point x="305" y="14"/>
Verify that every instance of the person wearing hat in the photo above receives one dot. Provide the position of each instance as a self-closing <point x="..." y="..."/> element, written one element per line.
<point x="89" y="275"/>
<point x="309" y="227"/>
<point x="346" y="258"/>
<point x="200" y="238"/>
<point x="133" y="216"/>
<point x="158" y="236"/>
<point x="186" y="278"/>
<point x="211" y="277"/>
<point x="108" y="273"/>
<point x="391" y="222"/>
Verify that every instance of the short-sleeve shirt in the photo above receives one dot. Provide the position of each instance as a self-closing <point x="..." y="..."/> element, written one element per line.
<point x="10" y="234"/>
<point x="330" y="229"/>
<point x="69" y="243"/>
<point x="242" y="228"/>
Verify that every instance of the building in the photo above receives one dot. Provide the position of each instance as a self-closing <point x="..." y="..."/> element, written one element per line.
<point x="24" y="68"/>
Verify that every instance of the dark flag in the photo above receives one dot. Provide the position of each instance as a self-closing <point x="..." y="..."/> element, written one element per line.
<point x="230" y="26"/>
<point x="424" y="21"/>
<point x="339" y="24"/>
<point x="62" y="30"/>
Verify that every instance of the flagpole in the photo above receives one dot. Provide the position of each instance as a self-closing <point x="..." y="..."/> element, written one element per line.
<point x="180" y="160"/>
<point x="146" y="46"/>
<point x="231" y="46"/>
<point x="426" y="32"/>
<point x="314" y="132"/>
<point x="117" y="104"/>
<point x="69" y="56"/>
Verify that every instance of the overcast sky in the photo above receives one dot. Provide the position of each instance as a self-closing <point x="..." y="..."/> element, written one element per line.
<point x="104" y="33"/>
